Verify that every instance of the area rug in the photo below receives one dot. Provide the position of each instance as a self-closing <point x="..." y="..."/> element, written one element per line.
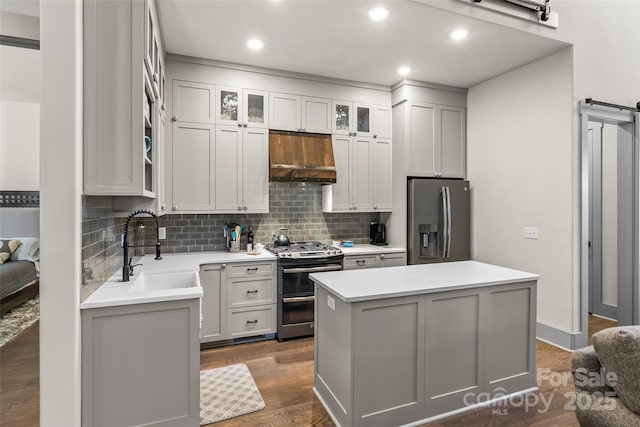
<point x="18" y="319"/>
<point x="227" y="392"/>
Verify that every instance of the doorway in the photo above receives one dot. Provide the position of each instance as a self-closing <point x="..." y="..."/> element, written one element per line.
<point x="609" y="256"/>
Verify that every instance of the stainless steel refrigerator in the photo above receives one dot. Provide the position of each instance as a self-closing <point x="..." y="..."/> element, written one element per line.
<point x="438" y="223"/>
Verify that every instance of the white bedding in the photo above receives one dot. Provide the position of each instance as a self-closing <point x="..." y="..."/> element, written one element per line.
<point x="29" y="250"/>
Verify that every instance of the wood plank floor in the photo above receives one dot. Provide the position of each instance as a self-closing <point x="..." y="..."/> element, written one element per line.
<point x="284" y="375"/>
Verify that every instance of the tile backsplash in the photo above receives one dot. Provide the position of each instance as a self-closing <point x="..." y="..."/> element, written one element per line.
<point x="299" y="208"/>
<point x="291" y="205"/>
<point x="101" y="253"/>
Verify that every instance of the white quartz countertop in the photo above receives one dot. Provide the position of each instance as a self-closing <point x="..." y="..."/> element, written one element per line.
<point x="370" y="250"/>
<point x="115" y="292"/>
<point x="390" y="282"/>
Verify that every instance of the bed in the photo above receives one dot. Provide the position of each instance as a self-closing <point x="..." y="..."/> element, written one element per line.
<point x="20" y="268"/>
<point x="19" y="275"/>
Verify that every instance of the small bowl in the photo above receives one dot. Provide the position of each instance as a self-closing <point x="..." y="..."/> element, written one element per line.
<point x="347" y="243"/>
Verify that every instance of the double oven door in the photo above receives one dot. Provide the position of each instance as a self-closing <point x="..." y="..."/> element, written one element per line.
<point x="296" y="294"/>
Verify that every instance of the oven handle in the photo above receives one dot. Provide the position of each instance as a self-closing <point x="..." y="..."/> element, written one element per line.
<point x="332" y="267"/>
<point x="299" y="299"/>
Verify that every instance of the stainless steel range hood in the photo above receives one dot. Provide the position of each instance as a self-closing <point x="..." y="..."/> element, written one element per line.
<point x="303" y="157"/>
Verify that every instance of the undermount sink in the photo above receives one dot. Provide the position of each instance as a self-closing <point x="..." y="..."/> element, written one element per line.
<point x="158" y="281"/>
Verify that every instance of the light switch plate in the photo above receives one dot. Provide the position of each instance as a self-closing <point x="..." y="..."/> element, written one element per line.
<point x="530" y="233"/>
<point x="162" y="233"/>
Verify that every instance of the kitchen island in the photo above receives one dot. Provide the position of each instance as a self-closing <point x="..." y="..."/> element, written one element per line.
<point x="404" y="345"/>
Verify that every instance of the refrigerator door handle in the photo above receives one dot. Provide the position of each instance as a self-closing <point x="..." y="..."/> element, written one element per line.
<point x="449" y="223"/>
<point x="445" y="225"/>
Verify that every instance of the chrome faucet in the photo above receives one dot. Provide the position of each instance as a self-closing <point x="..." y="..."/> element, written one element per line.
<point x="127" y="268"/>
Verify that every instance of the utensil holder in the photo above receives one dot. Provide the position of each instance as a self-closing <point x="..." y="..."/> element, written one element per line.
<point x="234" y="246"/>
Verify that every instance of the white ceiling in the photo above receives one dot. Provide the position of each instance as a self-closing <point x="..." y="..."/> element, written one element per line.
<point x="336" y="38"/>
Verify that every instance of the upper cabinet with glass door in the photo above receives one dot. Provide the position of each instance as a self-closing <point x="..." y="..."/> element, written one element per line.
<point x="241" y="107"/>
<point x="356" y="119"/>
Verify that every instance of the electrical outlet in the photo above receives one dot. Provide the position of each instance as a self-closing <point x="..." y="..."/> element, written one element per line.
<point x="162" y="233"/>
<point x="530" y="233"/>
<point x="331" y="302"/>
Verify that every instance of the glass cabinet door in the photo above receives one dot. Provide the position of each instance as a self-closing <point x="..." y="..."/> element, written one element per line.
<point x="148" y="38"/>
<point x="342" y="122"/>
<point x="364" y="122"/>
<point x="255" y="108"/>
<point x="228" y="106"/>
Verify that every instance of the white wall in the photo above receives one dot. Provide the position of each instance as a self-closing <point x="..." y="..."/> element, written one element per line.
<point x="519" y="153"/>
<point x="19" y="145"/>
<point x="606" y="66"/>
<point x="19" y="118"/>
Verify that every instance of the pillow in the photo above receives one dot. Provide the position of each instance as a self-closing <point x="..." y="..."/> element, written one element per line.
<point x="618" y="350"/>
<point x="7" y="248"/>
<point x="29" y="249"/>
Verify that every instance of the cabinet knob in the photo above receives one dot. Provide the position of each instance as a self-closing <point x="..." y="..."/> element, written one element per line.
<point x="239" y="208"/>
<point x="162" y="207"/>
<point x="239" y="125"/>
<point x="155" y="77"/>
<point x="381" y="256"/>
<point x="244" y="208"/>
<point x="244" y="125"/>
<point x="223" y="266"/>
<point x="375" y="207"/>
<point x="355" y="134"/>
<point x="375" y="136"/>
<point x="175" y="207"/>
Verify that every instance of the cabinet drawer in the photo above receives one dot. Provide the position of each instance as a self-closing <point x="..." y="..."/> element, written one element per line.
<point x="251" y="269"/>
<point x="392" y="260"/>
<point x="254" y="291"/>
<point x="245" y="322"/>
<point x="369" y="261"/>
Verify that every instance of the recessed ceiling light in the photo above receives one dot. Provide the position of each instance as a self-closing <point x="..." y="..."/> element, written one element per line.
<point x="459" y="34"/>
<point x="255" y="44"/>
<point x="378" y="14"/>
<point x="403" y="71"/>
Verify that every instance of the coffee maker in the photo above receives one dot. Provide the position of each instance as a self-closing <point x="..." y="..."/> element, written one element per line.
<point x="377" y="233"/>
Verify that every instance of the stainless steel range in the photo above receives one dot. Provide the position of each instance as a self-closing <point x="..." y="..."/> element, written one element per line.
<point x="295" y="289"/>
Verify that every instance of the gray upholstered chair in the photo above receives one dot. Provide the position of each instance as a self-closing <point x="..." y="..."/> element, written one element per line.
<point x="607" y="379"/>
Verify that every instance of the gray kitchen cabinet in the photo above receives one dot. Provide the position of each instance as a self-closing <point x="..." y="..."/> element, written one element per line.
<point x="354" y="262"/>
<point x="141" y="365"/>
<point x="239" y="300"/>
<point x="120" y="100"/>
<point x="436" y="145"/>
<point x="241" y="107"/>
<point x="363" y="176"/>
<point x="441" y="352"/>
<point x="393" y="259"/>
<point x="360" y="119"/>
<point x="382" y="175"/>
<point x="194" y="102"/>
<point x="219" y="168"/>
<point x="241" y="169"/>
<point x="214" y="292"/>
<point x="193" y="156"/>
<point x="299" y="113"/>
<point x="373" y="260"/>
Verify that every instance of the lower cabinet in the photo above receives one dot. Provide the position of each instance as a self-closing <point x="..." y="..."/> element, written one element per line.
<point x="239" y="300"/>
<point x="353" y="262"/>
<point x="141" y="365"/>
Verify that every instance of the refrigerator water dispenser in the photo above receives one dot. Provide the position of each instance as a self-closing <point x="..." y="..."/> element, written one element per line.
<point x="428" y="240"/>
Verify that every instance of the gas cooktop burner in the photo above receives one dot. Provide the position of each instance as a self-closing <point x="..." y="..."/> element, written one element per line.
<point x="305" y="250"/>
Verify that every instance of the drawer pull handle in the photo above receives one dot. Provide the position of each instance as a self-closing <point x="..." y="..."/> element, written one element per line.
<point x="249" y="322"/>
<point x="252" y="269"/>
<point x="361" y="262"/>
<point x="255" y="291"/>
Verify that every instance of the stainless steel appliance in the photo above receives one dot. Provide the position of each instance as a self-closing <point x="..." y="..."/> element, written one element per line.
<point x="438" y="220"/>
<point x="295" y="289"/>
<point x="377" y="233"/>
